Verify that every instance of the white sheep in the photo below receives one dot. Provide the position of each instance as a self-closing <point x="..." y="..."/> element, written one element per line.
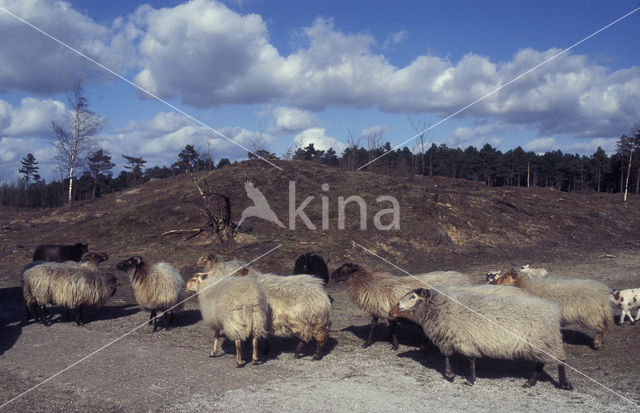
<point x="533" y="272"/>
<point x="375" y="293"/>
<point x="478" y="325"/>
<point x="235" y="305"/>
<point x="70" y="284"/>
<point x="298" y="304"/>
<point x="157" y="287"/>
<point x="626" y="300"/>
<point x="585" y="302"/>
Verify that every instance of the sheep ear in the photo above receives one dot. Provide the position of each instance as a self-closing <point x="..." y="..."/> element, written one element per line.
<point x="204" y="275"/>
<point x="423" y="292"/>
<point x="137" y="260"/>
<point x="243" y="271"/>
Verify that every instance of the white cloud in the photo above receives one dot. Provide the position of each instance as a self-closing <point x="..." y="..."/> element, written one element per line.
<point x="320" y="140"/>
<point x="540" y="145"/>
<point x="289" y="120"/>
<point x="488" y="133"/>
<point x="394" y="39"/>
<point x="35" y="63"/>
<point x="32" y="117"/>
<point x="159" y="140"/>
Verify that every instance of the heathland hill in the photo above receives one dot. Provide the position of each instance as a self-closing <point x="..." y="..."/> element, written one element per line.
<point x="442" y="221"/>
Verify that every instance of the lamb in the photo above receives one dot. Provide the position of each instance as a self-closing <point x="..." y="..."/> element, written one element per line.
<point x="298" y="304"/>
<point x="157" y="287"/>
<point x="60" y="253"/>
<point x="533" y="272"/>
<point x="498" y="326"/>
<point x="376" y="293"/>
<point x="70" y="285"/>
<point x="237" y="305"/>
<point x="585" y="302"/>
<point x="626" y="300"/>
<point x="312" y="264"/>
<point x="210" y="265"/>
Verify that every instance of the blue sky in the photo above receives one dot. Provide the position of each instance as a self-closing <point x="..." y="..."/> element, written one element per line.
<point x="286" y="73"/>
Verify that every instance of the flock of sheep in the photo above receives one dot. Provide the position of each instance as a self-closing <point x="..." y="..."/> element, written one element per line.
<point x="516" y="315"/>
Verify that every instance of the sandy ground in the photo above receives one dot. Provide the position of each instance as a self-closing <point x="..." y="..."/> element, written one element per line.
<point x="137" y="370"/>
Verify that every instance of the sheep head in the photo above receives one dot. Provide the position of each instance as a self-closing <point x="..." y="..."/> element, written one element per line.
<point x="406" y="306"/>
<point x="206" y="259"/>
<point x="491" y="276"/>
<point x="94" y="257"/>
<point x="129" y="264"/>
<point x="510" y="278"/>
<point x="195" y="282"/>
<point x="345" y="271"/>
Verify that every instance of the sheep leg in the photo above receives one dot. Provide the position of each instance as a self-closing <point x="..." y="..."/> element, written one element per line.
<point x="369" y="341"/>
<point x="79" y="316"/>
<point x="562" y="378"/>
<point x="623" y="315"/>
<point x="472" y="372"/>
<point x="254" y="355"/>
<point x="393" y="326"/>
<point x="152" y="318"/>
<point x="448" y="371"/>
<point x="534" y="377"/>
<point x="214" y="350"/>
<point x="299" y="348"/>
<point x="637" y="316"/>
<point x="598" y="340"/>
<point x="166" y="320"/>
<point x="321" y="340"/>
<point x="239" y="362"/>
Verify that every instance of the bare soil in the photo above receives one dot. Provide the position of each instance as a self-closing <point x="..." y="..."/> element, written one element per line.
<point x="110" y="364"/>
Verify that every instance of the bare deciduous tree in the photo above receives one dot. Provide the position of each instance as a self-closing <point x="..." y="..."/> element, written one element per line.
<point x="73" y="139"/>
<point x="422" y="129"/>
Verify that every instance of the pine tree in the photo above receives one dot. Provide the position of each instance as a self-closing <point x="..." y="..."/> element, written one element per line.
<point x="29" y="168"/>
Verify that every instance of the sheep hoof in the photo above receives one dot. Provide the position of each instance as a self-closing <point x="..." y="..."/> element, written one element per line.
<point x="468" y="383"/>
<point x="527" y="384"/>
<point x="212" y="355"/>
<point x="240" y="365"/>
<point x="449" y="377"/>
<point x="256" y="362"/>
<point x="394" y="347"/>
<point x="566" y="386"/>
<point x="316" y="357"/>
<point x="297" y="356"/>
<point x="366" y="344"/>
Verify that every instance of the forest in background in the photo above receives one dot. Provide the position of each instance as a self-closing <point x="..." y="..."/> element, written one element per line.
<point x="599" y="172"/>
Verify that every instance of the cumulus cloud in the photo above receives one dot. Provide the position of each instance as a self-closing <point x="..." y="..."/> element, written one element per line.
<point x="320" y="140"/>
<point x="541" y="145"/>
<point x="35" y="63"/>
<point x="159" y="140"/>
<point x="32" y="117"/>
<point x="488" y="133"/>
<point x="571" y="94"/>
<point x="290" y="120"/>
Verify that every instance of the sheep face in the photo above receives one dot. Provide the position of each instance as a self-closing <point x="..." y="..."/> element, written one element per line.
<point x="195" y="282"/>
<point x="344" y="272"/>
<point x="509" y="278"/>
<point x="94" y="257"/>
<point x="129" y="264"/>
<point x="205" y="260"/>
<point x="407" y="304"/>
<point x="112" y="281"/>
<point x="524" y="267"/>
<point x="491" y="276"/>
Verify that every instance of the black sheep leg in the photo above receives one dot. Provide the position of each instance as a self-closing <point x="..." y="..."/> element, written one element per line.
<point x="79" y="316"/>
<point x="534" y="377"/>
<point x="562" y="378"/>
<point x="472" y="372"/>
<point x="448" y="372"/>
<point x="393" y="326"/>
<point x="369" y="341"/>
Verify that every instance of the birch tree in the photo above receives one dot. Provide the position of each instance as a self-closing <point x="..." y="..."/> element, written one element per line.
<point x="73" y="138"/>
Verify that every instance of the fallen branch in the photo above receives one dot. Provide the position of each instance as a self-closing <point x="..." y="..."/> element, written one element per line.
<point x="181" y="231"/>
